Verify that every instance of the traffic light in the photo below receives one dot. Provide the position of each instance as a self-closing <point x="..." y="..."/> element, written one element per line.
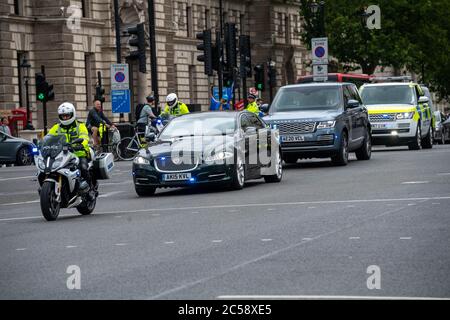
<point x="259" y="77"/>
<point x="44" y="90"/>
<point x="137" y="40"/>
<point x="228" y="78"/>
<point x="272" y="76"/>
<point x="230" y="43"/>
<point x="207" y="48"/>
<point x="100" y="93"/>
<point x="245" y="55"/>
<point x="41" y="87"/>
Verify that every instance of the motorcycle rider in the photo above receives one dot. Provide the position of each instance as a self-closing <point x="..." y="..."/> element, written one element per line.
<point x="73" y="129"/>
<point x="174" y="107"/>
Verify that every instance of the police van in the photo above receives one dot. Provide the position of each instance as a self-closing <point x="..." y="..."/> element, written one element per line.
<point x="399" y="113"/>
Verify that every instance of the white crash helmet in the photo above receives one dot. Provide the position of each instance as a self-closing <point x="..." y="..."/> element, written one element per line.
<point x="172" y="100"/>
<point x="66" y="113"/>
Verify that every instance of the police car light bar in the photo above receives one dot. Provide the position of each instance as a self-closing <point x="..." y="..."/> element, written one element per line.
<point x="391" y="79"/>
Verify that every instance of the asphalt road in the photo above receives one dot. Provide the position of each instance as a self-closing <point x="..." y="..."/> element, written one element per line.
<point x="314" y="234"/>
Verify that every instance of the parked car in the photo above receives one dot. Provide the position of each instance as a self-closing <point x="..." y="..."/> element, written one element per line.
<point x="320" y="120"/>
<point x="208" y="148"/>
<point x="439" y="129"/>
<point x="15" y="150"/>
<point x="399" y="114"/>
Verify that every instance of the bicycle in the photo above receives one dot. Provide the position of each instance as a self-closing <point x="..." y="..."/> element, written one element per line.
<point x="128" y="147"/>
<point x="112" y="141"/>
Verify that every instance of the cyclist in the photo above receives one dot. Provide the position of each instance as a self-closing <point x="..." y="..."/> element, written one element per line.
<point x="95" y="119"/>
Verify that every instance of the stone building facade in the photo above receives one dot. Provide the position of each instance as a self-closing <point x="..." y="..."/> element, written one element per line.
<point x="49" y="33"/>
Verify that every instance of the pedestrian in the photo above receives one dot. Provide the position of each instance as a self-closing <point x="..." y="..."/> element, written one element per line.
<point x="4" y="125"/>
<point x="252" y="106"/>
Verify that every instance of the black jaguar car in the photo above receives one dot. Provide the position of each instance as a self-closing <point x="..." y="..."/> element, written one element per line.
<point x="225" y="148"/>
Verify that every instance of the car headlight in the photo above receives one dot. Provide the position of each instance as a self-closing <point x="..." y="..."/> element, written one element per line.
<point x="218" y="157"/>
<point x="404" y="115"/>
<point x="326" y="124"/>
<point x="141" y="160"/>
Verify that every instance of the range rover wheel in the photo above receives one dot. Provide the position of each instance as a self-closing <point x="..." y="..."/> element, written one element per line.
<point x="427" y="142"/>
<point x="417" y="144"/>
<point x="341" y="158"/>
<point x="365" y="151"/>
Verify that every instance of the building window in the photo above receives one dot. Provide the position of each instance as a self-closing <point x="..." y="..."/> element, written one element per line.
<point x="192" y="81"/>
<point x="287" y="26"/>
<point x="85" y="8"/>
<point x="189" y="27"/>
<point x="18" y="7"/>
<point x="242" y="22"/>
<point x="89" y="76"/>
<point x="207" y="19"/>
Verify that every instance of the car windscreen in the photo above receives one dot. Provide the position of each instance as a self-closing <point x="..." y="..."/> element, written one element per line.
<point x="52" y="145"/>
<point x="307" y="98"/>
<point x="388" y="95"/>
<point x="201" y="126"/>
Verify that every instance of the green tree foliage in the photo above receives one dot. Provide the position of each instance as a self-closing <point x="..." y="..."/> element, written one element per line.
<point x="414" y="34"/>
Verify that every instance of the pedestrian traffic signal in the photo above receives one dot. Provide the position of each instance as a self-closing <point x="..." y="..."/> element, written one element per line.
<point x="207" y="49"/>
<point x="44" y="90"/>
<point x="259" y="77"/>
<point x="137" y="39"/>
<point x="100" y="93"/>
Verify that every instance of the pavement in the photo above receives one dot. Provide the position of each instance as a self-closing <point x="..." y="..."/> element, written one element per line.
<point x="378" y="228"/>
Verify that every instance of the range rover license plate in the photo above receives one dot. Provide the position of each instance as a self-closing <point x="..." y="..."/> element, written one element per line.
<point x="296" y="138"/>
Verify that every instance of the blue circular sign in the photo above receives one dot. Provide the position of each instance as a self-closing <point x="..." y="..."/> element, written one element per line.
<point x="120" y="77"/>
<point x="320" y="52"/>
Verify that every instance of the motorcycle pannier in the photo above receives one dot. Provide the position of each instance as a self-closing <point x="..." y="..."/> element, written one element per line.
<point x="103" y="165"/>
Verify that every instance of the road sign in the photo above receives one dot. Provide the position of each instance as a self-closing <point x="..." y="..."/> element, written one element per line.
<point x="119" y="76"/>
<point x="120" y="100"/>
<point x="320" y="72"/>
<point x="319" y="50"/>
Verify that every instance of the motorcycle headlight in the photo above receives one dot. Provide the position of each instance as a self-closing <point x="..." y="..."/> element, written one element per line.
<point x="41" y="164"/>
<point x="326" y="124"/>
<point x="404" y="115"/>
<point x="218" y="157"/>
<point x="141" y="160"/>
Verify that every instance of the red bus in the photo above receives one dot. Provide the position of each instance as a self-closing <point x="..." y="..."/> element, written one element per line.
<point x="358" y="79"/>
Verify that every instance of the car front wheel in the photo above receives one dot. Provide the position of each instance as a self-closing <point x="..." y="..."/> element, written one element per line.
<point x="24" y="157"/>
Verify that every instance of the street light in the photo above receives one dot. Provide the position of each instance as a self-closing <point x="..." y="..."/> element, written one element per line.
<point x="25" y="66"/>
<point x="315" y="8"/>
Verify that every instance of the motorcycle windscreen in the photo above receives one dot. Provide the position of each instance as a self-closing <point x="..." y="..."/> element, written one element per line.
<point x="52" y="146"/>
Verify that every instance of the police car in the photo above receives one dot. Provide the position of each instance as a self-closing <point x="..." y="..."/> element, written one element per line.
<point x="399" y="113"/>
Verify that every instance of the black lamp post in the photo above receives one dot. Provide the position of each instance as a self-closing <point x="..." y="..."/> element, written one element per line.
<point x="319" y="7"/>
<point x="25" y="66"/>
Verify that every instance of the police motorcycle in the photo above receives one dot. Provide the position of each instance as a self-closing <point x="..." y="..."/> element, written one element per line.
<point x="59" y="177"/>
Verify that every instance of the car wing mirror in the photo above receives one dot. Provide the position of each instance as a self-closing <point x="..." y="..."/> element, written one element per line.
<point x="424" y="99"/>
<point x="351" y="104"/>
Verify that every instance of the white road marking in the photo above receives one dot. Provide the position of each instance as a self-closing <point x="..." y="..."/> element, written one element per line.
<point x="195" y="212"/>
<point x="270" y="209"/>
<point x="156" y="214"/>
<point x="351" y="206"/>
<point x="316" y="297"/>
<point x="115" y="183"/>
<point x="416" y="182"/>
<point x="444" y="174"/>
<point x="232" y="211"/>
<point x="306" y="239"/>
<point x="169" y="242"/>
<point x="405" y="238"/>
<point x="120" y="244"/>
<point x="266" y="240"/>
<point x="435" y="203"/>
<point x="17" y="193"/>
<point x="18" y="203"/>
<point x="17" y="178"/>
<point x="70" y="247"/>
<point x="118" y="217"/>
<point x="411" y="204"/>
<point x="311" y="207"/>
<point x="21" y="249"/>
<point x="216" y="241"/>
<point x="245" y="206"/>
<point x="354" y="238"/>
<point x="109" y="194"/>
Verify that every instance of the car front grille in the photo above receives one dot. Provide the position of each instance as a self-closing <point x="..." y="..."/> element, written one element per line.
<point x="169" y="164"/>
<point x="382" y="117"/>
<point x="296" y="127"/>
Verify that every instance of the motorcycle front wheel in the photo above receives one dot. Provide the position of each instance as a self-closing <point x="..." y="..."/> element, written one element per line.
<point x="49" y="205"/>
